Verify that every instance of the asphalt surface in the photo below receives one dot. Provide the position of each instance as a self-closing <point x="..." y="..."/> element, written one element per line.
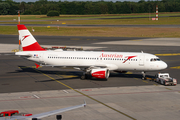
<point x="122" y="96"/>
<point x="90" y="18"/>
<point x="75" y="25"/>
<point x="17" y="74"/>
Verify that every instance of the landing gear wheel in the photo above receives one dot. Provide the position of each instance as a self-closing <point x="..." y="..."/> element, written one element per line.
<point x="83" y="77"/>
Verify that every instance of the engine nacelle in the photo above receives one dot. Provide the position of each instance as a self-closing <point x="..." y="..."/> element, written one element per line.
<point x="102" y="73"/>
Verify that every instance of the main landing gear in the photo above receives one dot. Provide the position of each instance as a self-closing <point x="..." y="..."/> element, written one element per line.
<point x="84" y="76"/>
<point x="143" y="75"/>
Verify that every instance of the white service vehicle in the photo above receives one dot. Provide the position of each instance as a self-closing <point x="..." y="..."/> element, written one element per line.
<point x="165" y="79"/>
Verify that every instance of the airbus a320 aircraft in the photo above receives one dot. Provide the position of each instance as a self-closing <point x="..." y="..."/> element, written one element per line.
<point x="98" y="64"/>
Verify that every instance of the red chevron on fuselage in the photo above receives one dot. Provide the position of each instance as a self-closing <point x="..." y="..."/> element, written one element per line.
<point x="129" y="57"/>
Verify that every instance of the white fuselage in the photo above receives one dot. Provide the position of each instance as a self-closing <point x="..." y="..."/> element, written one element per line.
<point x="121" y="61"/>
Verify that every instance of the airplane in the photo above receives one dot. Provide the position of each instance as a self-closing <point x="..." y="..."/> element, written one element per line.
<point x="14" y="114"/>
<point x="96" y="63"/>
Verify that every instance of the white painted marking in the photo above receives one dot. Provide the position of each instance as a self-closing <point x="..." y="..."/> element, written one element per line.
<point x="36" y="96"/>
<point x="65" y="91"/>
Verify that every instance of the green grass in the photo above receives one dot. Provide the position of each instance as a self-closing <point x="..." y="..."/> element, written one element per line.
<point x="44" y="17"/>
<point x="137" y="21"/>
<point x="9" y="30"/>
<point x="97" y="31"/>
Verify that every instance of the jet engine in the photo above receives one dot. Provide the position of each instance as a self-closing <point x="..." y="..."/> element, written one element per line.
<point x="102" y="73"/>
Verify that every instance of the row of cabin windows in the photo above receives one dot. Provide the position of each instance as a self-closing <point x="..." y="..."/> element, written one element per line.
<point x="91" y="58"/>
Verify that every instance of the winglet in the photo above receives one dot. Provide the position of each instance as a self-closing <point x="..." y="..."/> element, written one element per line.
<point x="37" y="66"/>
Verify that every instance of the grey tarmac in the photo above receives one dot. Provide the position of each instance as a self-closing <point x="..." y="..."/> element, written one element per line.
<point x="127" y="93"/>
<point x="86" y="25"/>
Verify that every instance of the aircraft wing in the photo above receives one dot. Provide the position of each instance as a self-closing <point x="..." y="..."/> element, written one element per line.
<point x="46" y="114"/>
<point x="78" y="66"/>
<point x="109" y="66"/>
<point x="42" y="115"/>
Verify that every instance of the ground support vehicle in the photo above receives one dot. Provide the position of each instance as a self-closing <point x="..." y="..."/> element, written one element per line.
<point x="12" y="113"/>
<point x="165" y="79"/>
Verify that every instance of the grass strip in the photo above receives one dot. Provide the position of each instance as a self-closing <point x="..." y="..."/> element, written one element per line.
<point x="97" y="31"/>
<point x="44" y="17"/>
<point x="136" y="21"/>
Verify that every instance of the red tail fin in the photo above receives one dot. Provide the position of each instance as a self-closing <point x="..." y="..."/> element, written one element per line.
<point x="28" y="42"/>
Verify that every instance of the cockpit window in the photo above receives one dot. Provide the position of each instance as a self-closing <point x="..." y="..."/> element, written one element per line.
<point x="155" y="59"/>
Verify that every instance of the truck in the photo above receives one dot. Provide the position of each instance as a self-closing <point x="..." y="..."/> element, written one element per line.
<point x="12" y="113"/>
<point x="165" y="79"/>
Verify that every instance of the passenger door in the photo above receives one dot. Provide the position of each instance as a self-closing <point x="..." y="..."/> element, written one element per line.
<point x="141" y="60"/>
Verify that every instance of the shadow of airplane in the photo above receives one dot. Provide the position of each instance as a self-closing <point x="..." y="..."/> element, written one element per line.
<point x="63" y="75"/>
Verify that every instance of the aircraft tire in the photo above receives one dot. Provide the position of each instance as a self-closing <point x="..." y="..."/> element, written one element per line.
<point x="83" y="77"/>
<point x="58" y="117"/>
<point x="34" y="119"/>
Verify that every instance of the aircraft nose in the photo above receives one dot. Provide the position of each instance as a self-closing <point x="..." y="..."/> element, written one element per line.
<point x="163" y="65"/>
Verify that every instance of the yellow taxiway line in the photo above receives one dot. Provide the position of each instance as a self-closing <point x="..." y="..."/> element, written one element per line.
<point x="177" y="67"/>
<point x="85" y="94"/>
<point x="168" y="54"/>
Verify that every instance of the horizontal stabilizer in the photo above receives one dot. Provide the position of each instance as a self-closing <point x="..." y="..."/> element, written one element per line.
<point x="37" y="66"/>
<point x="23" y="54"/>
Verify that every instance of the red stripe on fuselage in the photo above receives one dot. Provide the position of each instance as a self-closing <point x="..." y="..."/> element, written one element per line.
<point x="21" y="27"/>
<point x="33" y="47"/>
<point x="129" y="58"/>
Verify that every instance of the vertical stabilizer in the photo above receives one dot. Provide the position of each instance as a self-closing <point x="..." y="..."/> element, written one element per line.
<point x="28" y="42"/>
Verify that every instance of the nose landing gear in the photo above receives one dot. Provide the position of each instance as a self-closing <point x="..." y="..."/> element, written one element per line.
<point x="143" y="75"/>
